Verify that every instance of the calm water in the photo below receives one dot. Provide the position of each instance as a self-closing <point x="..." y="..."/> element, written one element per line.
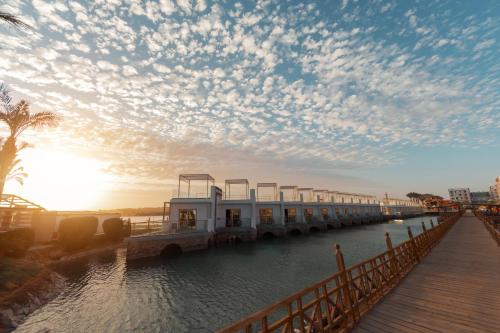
<point x="201" y="291"/>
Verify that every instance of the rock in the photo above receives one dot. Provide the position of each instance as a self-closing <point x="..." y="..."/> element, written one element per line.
<point x="40" y="292"/>
<point x="7" y="318"/>
<point x="11" y="286"/>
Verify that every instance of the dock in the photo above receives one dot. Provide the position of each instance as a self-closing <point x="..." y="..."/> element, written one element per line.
<point x="456" y="288"/>
<point x="444" y="279"/>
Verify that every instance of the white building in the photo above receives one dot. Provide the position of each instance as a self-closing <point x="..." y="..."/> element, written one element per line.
<point x="495" y="190"/>
<point x="460" y="195"/>
<point x="202" y="206"/>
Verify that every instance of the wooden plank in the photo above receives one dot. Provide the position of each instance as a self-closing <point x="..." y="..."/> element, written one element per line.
<point x="454" y="288"/>
<point x="419" y="317"/>
<point x="456" y="315"/>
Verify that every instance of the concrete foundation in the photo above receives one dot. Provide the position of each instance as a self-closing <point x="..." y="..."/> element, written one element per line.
<point x="235" y="234"/>
<point x="152" y="245"/>
<point x="271" y="230"/>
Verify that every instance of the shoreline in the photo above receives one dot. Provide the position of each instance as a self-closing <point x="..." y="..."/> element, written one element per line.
<point x="17" y="304"/>
<point x="37" y="291"/>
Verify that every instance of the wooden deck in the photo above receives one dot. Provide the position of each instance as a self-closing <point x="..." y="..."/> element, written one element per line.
<point x="456" y="288"/>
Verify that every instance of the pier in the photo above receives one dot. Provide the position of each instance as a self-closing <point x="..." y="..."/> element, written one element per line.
<point x="455" y="288"/>
<point x="443" y="279"/>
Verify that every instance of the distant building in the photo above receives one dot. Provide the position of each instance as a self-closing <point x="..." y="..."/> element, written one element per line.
<point x="460" y="195"/>
<point x="495" y="190"/>
<point x="480" y="197"/>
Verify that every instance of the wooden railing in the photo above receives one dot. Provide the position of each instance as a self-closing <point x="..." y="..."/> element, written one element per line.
<point x="336" y="303"/>
<point x="490" y="225"/>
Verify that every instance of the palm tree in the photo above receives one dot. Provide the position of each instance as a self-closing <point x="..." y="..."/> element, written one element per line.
<point x="13" y="20"/>
<point x="18" y="118"/>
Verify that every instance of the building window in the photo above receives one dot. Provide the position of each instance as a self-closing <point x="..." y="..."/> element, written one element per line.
<point x="324" y="213"/>
<point x="308" y="214"/>
<point x="266" y="215"/>
<point x="233" y="217"/>
<point x="346" y="211"/>
<point x="187" y="218"/>
<point x="290" y="215"/>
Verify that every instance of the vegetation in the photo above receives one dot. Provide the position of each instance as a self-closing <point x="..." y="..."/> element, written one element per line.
<point x="13" y="20"/>
<point x="16" y="242"/>
<point x="424" y="196"/>
<point x="18" y="118"/>
<point x="113" y="229"/>
<point x="75" y="233"/>
<point x="15" y="271"/>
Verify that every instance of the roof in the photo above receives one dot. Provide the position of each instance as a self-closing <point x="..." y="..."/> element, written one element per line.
<point x="267" y="184"/>
<point x="236" y="181"/>
<point x="11" y="201"/>
<point x="195" y="176"/>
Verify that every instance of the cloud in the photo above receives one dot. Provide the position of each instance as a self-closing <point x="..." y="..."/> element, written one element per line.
<point x="185" y="5"/>
<point x="484" y="45"/>
<point x="185" y="87"/>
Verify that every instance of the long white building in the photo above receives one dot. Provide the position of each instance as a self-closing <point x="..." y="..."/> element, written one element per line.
<point x="202" y="206"/>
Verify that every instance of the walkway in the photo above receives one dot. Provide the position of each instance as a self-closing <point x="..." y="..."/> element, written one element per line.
<point x="456" y="288"/>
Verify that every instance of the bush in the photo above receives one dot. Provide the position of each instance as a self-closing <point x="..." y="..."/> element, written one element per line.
<point x="113" y="228"/>
<point x="16" y="242"/>
<point x="75" y="233"/>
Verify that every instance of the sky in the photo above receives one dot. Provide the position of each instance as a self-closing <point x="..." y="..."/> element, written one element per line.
<point x="363" y="96"/>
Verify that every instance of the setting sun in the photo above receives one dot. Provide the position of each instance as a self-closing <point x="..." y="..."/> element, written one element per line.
<point x="61" y="180"/>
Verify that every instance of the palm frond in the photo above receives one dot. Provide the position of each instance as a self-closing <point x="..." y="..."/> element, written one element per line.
<point x="24" y="145"/>
<point x="43" y="119"/>
<point x="14" y="20"/>
<point x="5" y="96"/>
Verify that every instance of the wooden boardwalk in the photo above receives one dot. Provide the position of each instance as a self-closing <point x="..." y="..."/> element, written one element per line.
<point x="456" y="288"/>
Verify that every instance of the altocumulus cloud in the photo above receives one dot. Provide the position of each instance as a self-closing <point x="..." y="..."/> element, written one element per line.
<point x="187" y="85"/>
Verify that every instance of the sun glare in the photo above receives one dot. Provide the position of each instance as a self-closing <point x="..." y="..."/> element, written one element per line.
<point x="58" y="180"/>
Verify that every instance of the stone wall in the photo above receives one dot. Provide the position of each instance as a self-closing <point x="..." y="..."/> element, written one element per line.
<point x="152" y="245"/>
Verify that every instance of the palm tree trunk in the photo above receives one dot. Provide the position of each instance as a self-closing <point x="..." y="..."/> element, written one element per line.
<point x="2" y="184"/>
<point x="7" y="156"/>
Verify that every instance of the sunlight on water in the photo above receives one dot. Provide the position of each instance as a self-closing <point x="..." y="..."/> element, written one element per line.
<point x="201" y="291"/>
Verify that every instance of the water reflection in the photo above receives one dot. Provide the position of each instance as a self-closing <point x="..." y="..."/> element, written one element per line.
<point x="201" y="291"/>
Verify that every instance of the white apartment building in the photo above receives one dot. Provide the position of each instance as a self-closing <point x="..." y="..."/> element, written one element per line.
<point x="460" y="195"/>
<point x="495" y="190"/>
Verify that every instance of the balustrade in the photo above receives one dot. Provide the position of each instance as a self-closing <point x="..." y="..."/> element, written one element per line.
<point x="337" y="302"/>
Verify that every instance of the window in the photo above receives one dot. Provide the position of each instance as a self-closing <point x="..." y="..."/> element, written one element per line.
<point x="187" y="218"/>
<point x="308" y="214"/>
<point x="346" y="211"/>
<point x="233" y="217"/>
<point x="324" y="213"/>
<point x="290" y="215"/>
<point x="266" y="215"/>
<point x="337" y="211"/>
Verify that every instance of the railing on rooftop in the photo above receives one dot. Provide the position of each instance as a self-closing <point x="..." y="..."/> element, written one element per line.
<point x="336" y="303"/>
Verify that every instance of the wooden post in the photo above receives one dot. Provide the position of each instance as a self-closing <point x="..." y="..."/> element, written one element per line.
<point x="343" y="279"/>
<point x="394" y="262"/>
<point x="149" y="220"/>
<point x="415" y="249"/>
<point x="423" y="227"/>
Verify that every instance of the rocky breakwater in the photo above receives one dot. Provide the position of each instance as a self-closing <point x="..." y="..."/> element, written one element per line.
<point x="20" y="301"/>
